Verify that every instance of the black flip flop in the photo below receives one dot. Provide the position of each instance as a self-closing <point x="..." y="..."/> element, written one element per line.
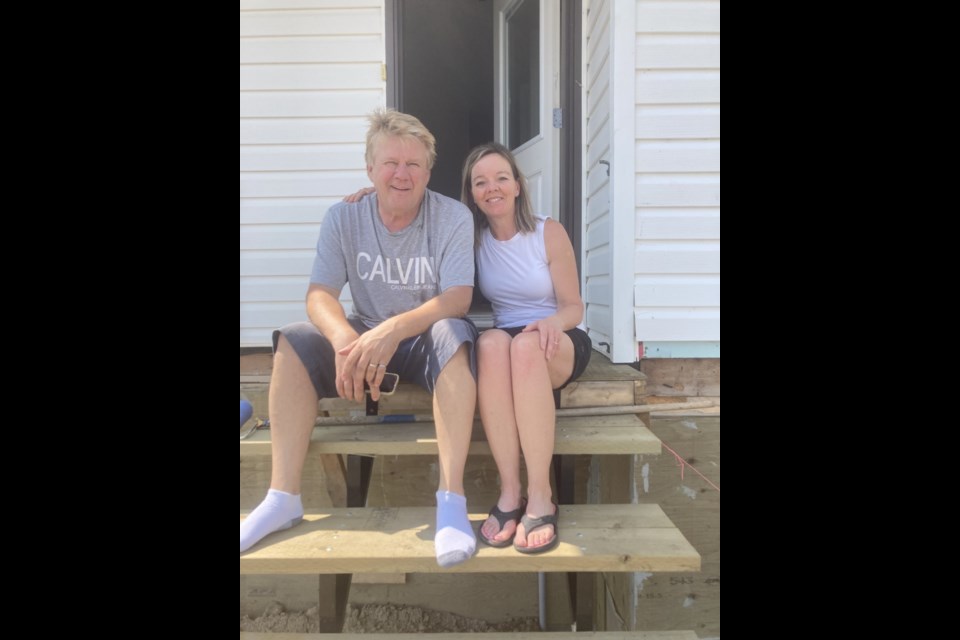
<point x="532" y="524"/>
<point x="503" y="518"/>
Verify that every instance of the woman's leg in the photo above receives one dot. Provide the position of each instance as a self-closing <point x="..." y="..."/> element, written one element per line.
<point x="495" y="399"/>
<point x="534" y="380"/>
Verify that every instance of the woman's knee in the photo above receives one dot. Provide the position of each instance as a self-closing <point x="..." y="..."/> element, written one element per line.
<point x="493" y="344"/>
<point x="525" y="349"/>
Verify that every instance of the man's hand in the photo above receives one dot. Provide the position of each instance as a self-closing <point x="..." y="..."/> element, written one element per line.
<point x="365" y="359"/>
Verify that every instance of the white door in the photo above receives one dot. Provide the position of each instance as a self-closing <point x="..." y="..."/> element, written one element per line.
<point x="527" y="91"/>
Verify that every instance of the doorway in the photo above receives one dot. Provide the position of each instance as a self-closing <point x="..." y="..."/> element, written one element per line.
<point x="442" y="73"/>
<point x="441" y="67"/>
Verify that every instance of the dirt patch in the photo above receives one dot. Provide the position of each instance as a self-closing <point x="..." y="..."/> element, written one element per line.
<point x="276" y="620"/>
<point x="382" y="618"/>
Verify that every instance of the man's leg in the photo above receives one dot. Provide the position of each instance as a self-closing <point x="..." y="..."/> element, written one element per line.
<point x="293" y="412"/>
<point x="454" y="403"/>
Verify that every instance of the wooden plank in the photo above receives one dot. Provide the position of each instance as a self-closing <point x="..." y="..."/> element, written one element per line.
<point x="532" y="635"/>
<point x="612" y="538"/>
<point x="586" y="393"/>
<point x="597" y="370"/>
<point x="600" y="369"/>
<point x="683" y="377"/>
<point x="713" y="411"/>
<point x="380" y="578"/>
<point x="595" y="435"/>
<point x="256" y="364"/>
<point x="336" y="473"/>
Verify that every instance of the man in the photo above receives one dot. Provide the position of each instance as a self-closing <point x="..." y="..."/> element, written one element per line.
<point x="407" y="255"/>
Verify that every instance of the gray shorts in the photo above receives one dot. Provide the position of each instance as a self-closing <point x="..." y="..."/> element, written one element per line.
<point x="419" y="359"/>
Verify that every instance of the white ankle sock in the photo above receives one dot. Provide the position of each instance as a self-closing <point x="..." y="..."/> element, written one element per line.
<point x="278" y="511"/>
<point x="455" y="542"/>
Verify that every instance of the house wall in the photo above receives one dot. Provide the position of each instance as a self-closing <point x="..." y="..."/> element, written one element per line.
<point x="677" y="259"/>
<point x="598" y="220"/>
<point x="310" y="71"/>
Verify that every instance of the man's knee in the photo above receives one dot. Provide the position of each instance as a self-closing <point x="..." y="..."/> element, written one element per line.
<point x="451" y="327"/>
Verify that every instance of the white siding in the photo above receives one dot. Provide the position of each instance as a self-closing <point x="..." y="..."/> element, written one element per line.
<point x="598" y="222"/>
<point x="310" y="71"/>
<point x="610" y="125"/>
<point x="677" y="266"/>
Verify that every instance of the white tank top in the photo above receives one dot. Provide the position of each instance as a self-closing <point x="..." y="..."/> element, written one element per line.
<point x="515" y="277"/>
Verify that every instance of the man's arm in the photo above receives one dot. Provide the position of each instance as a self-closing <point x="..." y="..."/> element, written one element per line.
<point x="377" y="346"/>
<point x="327" y="314"/>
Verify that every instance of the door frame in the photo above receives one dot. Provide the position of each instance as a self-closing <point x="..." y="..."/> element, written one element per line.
<point x="571" y="135"/>
<point x="393" y="17"/>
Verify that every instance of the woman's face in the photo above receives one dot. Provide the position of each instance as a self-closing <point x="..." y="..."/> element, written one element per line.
<point x="494" y="188"/>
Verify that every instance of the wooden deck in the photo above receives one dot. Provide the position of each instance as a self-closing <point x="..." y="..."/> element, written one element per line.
<point x="593" y="435"/>
<point x="614" y="538"/>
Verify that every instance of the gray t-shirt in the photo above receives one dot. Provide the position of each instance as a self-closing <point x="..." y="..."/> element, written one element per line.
<point x="391" y="273"/>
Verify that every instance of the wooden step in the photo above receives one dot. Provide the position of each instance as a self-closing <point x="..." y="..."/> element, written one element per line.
<point x="532" y="635"/>
<point x="602" y="384"/>
<point x="592" y="435"/>
<point x="608" y="538"/>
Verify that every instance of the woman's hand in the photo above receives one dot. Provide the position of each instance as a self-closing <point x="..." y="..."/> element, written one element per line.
<point x="551" y="332"/>
<point x="359" y="195"/>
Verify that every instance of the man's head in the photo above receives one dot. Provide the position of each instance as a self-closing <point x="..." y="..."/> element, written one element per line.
<point x="401" y="152"/>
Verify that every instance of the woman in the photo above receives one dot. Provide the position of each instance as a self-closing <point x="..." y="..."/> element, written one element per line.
<point x="528" y="271"/>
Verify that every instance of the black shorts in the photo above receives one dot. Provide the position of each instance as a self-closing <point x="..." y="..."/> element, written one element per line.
<point x="582" y="348"/>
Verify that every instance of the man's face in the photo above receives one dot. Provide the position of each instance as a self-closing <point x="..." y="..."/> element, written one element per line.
<point x="400" y="174"/>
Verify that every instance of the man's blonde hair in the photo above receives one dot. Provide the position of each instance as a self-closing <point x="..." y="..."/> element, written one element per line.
<point x="392" y="123"/>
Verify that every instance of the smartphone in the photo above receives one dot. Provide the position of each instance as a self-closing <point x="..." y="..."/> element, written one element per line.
<point x="387" y="386"/>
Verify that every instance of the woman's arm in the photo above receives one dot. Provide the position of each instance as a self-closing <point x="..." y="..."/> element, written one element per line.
<point x="566" y="285"/>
